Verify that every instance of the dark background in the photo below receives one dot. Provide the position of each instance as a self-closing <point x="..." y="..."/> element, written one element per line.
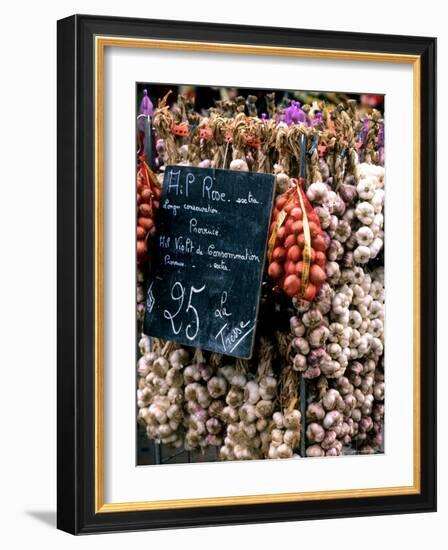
<point x="205" y="96"/>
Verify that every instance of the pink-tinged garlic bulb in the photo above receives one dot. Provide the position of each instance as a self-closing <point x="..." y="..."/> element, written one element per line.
<point x="344" y="344"/>
<point x="174" y="400"/>
<point x="160" y="393"/>
<point x="240" y="165"/>
<point x="282" y="182"/>
<point x="140" y="295"/>
<point x="284" y="437"/>
<point x="205" y="389"/>
<point x="318" y="193"/>
<point x="285" y="428"/>
<point x="326" y="424"/>
<point x="250" y="407"/>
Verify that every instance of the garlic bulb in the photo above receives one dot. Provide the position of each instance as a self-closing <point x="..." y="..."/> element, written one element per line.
<point x="239" y="164"/>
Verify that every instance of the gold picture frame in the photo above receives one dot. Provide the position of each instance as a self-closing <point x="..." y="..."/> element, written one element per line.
<point x="103" y="42"/>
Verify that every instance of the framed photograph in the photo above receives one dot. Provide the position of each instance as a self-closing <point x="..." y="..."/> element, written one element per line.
<point x="246" y="274"/>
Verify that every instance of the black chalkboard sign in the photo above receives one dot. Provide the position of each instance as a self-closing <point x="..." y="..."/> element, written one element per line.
<point x="212" y="229"/>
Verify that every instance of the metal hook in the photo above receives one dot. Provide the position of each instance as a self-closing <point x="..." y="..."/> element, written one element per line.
<point x="302" y="163"/>
<point x="225" y="154"/>
<point x="149" y="145"/>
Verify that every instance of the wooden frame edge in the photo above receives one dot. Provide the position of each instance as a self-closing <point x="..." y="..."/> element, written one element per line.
<point x="255" y="499"/>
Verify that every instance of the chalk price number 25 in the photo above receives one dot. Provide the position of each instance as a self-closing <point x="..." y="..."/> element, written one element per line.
<point x="178" y="292"/>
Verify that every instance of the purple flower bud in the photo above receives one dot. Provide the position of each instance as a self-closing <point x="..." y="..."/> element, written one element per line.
<point x="365" y="129"/>
<point x="294" y="114"/>
<point x="146" y="106"/>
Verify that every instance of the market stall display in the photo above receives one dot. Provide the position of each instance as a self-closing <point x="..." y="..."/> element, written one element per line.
<point x="314" y="385"/>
